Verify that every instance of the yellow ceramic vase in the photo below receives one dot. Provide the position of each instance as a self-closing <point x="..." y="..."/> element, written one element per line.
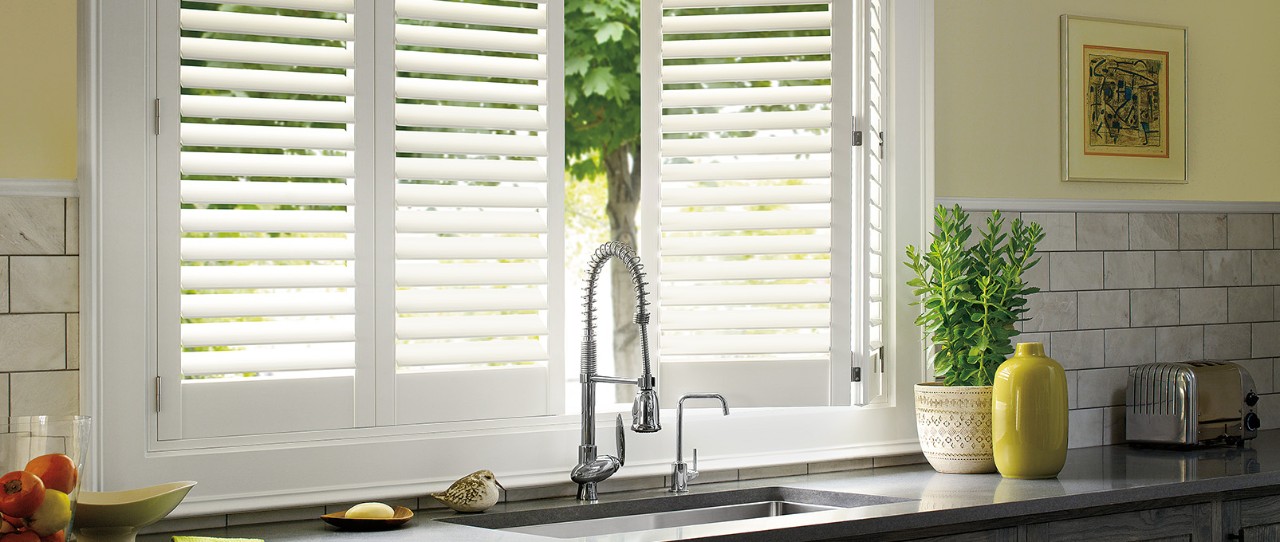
<point x="1029" y="415"/>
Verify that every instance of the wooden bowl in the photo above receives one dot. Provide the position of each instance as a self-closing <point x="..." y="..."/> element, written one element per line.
<point x="340" y="520"/>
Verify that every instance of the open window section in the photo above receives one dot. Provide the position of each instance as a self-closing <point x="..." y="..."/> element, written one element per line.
<point x="478" y="220"/>
<point x="756" y="221"/>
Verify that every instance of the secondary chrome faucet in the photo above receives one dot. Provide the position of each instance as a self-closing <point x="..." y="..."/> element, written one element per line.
<point x="593" y="468"/>
<point x="680" y="471"/>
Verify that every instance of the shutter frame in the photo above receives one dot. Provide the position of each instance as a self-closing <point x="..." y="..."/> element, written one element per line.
<point x="681" y="176"/>
<point x="355" y="171"/>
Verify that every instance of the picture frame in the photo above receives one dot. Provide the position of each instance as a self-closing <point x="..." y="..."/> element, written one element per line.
<point x="1124" y="101"/>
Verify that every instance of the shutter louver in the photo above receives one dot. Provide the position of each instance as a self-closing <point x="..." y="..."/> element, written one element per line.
<point x="755" y="171"/>
<point x="265" y="131"/>
<point x="477" y="207"/>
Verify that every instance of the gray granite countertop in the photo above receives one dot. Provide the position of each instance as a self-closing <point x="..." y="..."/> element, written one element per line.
<point x="1093" y="477"/>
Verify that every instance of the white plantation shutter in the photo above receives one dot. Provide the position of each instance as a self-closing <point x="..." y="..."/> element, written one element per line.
<point x="753" y="216"/>
<point x="354" y="214"/>
<point x="478" y="221"/>
<point x="869" y="291"/>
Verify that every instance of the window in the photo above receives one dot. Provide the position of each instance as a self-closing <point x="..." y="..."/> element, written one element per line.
<point x="366" y="228"/>
<point x="340" y="241"/>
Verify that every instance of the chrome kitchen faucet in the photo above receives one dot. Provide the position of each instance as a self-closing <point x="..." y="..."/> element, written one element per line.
<point x="680" y="471"/>
<point x="593" y="468"/>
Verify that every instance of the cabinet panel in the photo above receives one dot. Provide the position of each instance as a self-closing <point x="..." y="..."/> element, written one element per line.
<point x="993" y="535"/>
<point x="1262" y="533"/>
<point x="1191" y="523"/>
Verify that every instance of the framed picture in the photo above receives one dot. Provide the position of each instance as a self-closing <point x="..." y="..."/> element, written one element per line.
<point x="1124" y="101"/>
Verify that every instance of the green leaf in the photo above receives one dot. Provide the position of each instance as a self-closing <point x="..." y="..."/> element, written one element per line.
<point x="598" y="81"/>
<point x="610" y="31"/>
<point x="576" y="65"/>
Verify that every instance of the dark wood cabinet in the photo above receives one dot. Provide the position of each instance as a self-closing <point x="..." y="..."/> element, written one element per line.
<point x="1190" y="523"/>
<point x="1252" y="520"/>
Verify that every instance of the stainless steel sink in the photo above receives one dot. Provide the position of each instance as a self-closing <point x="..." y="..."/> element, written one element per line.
<point x="672" y="511"/>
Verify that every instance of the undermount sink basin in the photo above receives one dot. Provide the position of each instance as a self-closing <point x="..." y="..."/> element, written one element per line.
<point x="672" y="511"/>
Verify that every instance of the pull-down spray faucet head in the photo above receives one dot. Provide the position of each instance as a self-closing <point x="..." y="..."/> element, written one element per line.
<point x="644" y="412"/>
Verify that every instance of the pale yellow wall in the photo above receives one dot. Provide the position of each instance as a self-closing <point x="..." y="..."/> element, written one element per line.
<point x="997" y="99"/>
<point x="38" y="89"/>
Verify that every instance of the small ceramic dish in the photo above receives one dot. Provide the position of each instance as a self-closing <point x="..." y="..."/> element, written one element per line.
<point x="340" y="520"/>
<point x="116" y="516"/>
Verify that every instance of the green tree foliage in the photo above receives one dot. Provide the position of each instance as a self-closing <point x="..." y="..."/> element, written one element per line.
<point x="971" y="297"/>
<point x="601" y="81"/>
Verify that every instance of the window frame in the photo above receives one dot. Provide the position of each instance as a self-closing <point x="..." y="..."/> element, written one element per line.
<point x="117" y="176"/>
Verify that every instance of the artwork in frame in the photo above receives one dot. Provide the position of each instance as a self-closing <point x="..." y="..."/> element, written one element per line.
<point x="1124" y="96"/>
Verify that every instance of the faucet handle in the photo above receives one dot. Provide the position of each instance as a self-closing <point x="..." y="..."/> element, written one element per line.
<point x="622" y="443"/>
<point x="693" y="472"/>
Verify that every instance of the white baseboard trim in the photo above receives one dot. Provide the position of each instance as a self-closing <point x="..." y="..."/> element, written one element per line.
<point x="54" y="188"/>
<point x="1111" y="206"/>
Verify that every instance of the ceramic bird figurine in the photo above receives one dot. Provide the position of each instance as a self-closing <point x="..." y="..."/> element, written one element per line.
<point x="475" y="492"/>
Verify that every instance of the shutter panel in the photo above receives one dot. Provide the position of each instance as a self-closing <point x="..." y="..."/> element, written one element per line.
<point x="257" y="207"/>
<point x="868" y="298"/>
<point x="478" y="222"/>
<point x="754" y="218"/>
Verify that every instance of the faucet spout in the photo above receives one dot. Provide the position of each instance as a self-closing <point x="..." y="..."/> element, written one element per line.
<point x="644" y="411"/>
<point x="681" y="473"/>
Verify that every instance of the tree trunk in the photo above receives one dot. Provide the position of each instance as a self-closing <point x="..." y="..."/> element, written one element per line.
<point x="623" y="175"/>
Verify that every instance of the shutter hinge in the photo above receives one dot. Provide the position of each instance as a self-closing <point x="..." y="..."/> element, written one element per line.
<point x="857" y="138"/>
<point x="881" y="135"/>
<point x="157" y="394"/>
<point x="156" y="117"/>
<point x="877" y="364"/>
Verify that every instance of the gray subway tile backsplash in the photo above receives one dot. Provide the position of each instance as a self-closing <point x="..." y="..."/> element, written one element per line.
<point x="1153" y="307"/>
<point x="1181" y="269"/>
<point x="1202" y="306"/>
<point x="39" y="301"/>
<point x="1125" y="347"/>
<point x="1124" y="270"/>
<point x="1075" y="271"/>
<point x="1188" y="286"/>
<point x="1266" y="267"/>
<point x="1077" y="349"/>
<point x="1051" y="311"/>
<point x="1059" y="230"/>
<point x="1153" y="231"/>
<point x="1181" y="343"/>
<point x="1227" y="342"/>
<point x="1266" y="340"/>
<point x="1227" y="268"/>
<point x="1199" y="231"/>
<point x="1251" y="304"/>
<point x="1104" y="309"/>
<point x="1246" y="231"/>
<point x="1102" y="231"/>
<point x="1102" y="387"/>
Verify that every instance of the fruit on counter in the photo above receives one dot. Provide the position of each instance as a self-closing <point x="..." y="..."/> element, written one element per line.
<point x="60" y="536"/>
<point x="21" y="493"/>
<point x="370" y="510"/>
<point x="10" y="524"/>
<point x="23" y="536"/>
<point x="53" y="515"/>
<point x="57" y="471"/>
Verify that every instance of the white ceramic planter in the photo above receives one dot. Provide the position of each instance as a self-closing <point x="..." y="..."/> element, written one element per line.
<point x="954" y="424"/>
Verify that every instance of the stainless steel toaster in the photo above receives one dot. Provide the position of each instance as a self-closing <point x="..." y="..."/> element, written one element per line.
<point x="1196" y="402"/>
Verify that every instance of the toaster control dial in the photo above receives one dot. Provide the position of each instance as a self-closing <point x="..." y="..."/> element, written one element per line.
<point x="1251" y="399"/>
<point x="1251" y="422"/>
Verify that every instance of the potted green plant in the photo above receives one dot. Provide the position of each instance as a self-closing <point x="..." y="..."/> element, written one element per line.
<point x="970" y="295"/>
